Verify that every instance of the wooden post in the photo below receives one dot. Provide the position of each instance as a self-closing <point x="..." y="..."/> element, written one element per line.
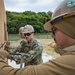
<point x="3" y="26"/>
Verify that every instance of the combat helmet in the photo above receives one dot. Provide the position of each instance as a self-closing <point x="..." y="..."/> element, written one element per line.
<point x="65" y="9"/>
<point x="21" y="29"/>
<point x="28" y="29"/>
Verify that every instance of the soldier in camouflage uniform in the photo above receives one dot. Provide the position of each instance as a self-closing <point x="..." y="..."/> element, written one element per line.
<point x="29" y="46"/>
<point x="20" y="32"/>
<point x="7" y="46"/>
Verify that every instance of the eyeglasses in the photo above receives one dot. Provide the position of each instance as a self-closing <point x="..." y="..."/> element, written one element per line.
<point x="27" y="34"/>
<point x="62" y="17"/>
<point x="53" y="30"/>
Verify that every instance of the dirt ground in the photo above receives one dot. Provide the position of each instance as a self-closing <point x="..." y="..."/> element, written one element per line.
<point x="47" y="48"/>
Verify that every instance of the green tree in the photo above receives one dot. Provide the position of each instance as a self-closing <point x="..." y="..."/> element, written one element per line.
<point x="18" y="19"/>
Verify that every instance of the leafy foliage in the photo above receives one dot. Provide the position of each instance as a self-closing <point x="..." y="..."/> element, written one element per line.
<point x="18" y="19"/>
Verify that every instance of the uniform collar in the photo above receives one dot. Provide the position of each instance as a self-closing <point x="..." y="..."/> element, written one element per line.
<point x="66" y="49"/>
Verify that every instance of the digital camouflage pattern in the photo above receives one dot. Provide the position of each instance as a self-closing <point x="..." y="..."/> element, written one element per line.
<point x="34" y="50"/>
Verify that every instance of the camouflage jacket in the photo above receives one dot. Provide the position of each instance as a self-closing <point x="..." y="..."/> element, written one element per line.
<point x="34" y="50"/>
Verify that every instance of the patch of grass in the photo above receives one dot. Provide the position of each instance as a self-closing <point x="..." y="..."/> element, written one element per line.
<point x="15" y="37"/>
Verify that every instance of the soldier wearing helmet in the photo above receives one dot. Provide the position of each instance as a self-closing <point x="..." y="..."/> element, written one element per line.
<point x="63" y="21"/>
<point x="20" y="32"/>
<point x="30" y="46"/>
<point x="62" y="26"/>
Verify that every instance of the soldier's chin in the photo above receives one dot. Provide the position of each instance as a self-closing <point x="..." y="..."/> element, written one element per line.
<point x="27" y="39"/>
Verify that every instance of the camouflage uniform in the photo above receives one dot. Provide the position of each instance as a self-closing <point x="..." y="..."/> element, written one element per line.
<point x="34" y="50"/>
